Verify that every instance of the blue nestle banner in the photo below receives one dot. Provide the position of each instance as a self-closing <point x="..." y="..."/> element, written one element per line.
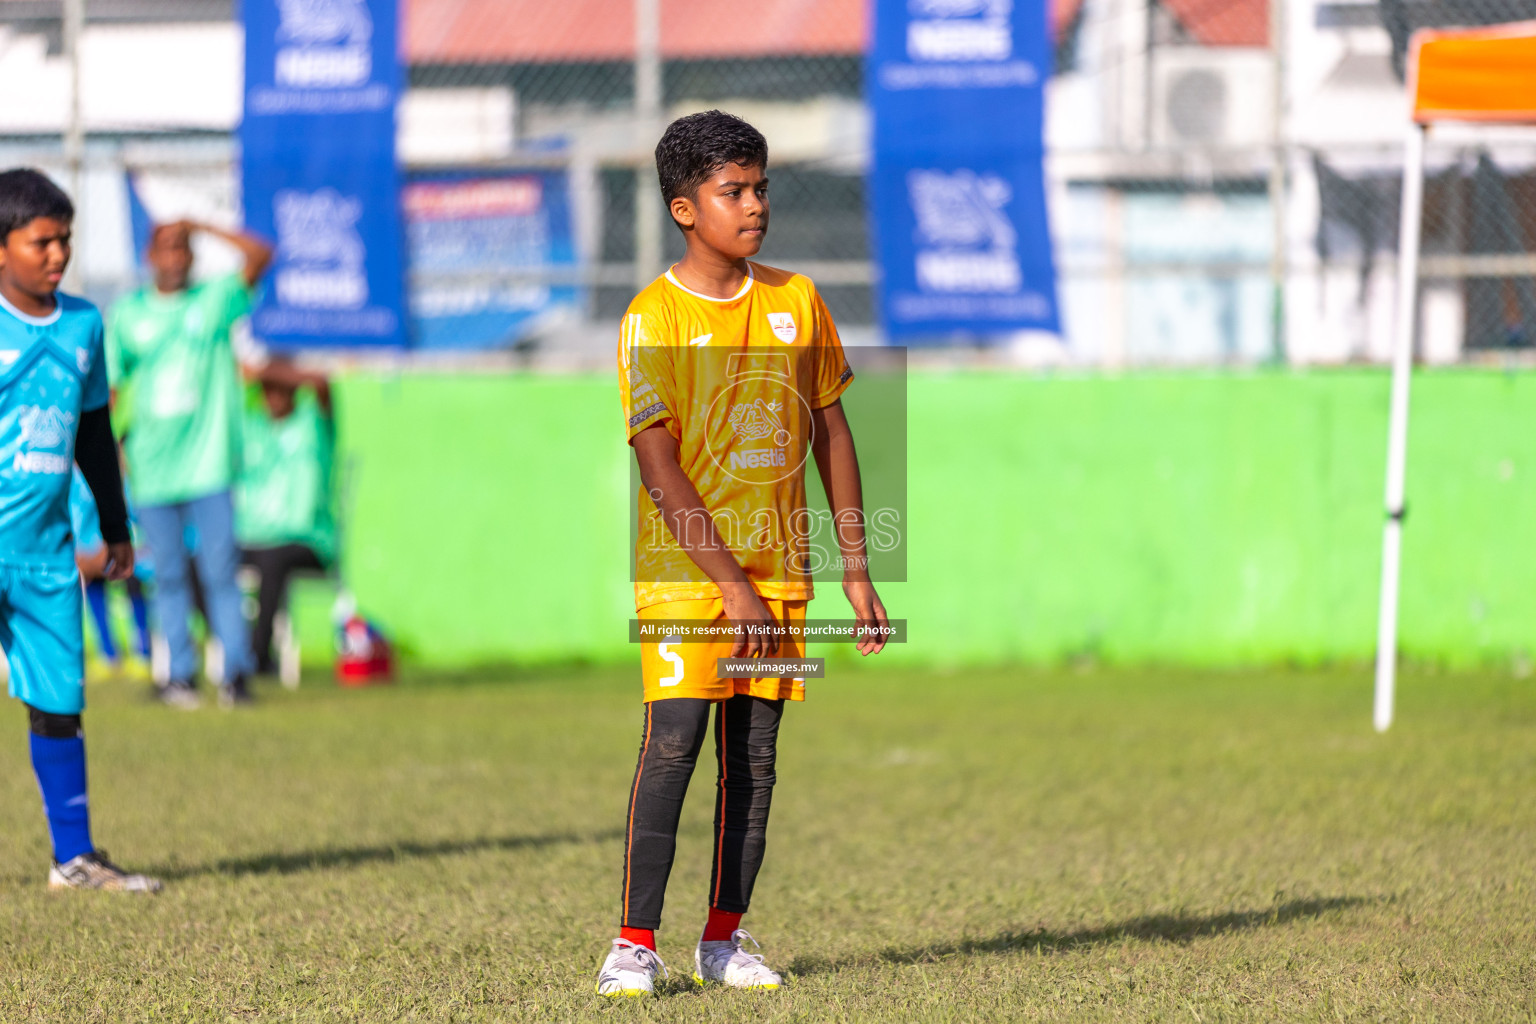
<point x="957" y="191"/>
<point x="319" y="173"/>
<point x="493" y="257"/>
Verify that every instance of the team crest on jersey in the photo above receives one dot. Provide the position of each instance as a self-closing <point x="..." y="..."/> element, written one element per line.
<point x="783" y="325"/>
<point x="82" y="359"/>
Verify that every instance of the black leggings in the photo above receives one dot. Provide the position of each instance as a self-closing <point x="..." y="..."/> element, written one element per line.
<point x="274" y="565"/>
<point x="746" y="738"/>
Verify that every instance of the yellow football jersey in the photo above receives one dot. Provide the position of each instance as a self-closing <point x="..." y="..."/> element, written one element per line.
<point x="734" y="381"/>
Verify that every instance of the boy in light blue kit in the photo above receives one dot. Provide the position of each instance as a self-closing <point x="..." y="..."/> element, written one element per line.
<point x="53" y="414"/>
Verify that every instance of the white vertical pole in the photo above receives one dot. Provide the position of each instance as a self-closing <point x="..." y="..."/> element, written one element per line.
<point x="1116" y="322"/>
<point x="74" y="126"/>
<point x="1277" y="168"/>
<point x="1397" y="428"/>
<point x="648" y="222"/>
<point x="1129" y="85"/>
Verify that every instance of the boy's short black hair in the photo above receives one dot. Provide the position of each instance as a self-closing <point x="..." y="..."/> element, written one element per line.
<point x="26" y="195"/>
<point x="694" y="147"/>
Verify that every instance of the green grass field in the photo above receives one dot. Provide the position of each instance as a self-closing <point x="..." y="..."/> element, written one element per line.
<point x="1001" y="845"/>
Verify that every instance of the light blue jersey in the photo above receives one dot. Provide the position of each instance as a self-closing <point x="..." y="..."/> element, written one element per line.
<point x="84" y="517"/>
<point x="51" y="369"/>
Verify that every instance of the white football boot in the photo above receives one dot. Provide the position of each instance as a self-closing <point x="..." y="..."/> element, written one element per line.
<point x="94" y="871"/>
<point x="729" y="964"/>
<point x="629" y="970"/>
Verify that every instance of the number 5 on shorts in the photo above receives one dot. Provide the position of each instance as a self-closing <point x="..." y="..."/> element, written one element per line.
<point x="667" y="654"/>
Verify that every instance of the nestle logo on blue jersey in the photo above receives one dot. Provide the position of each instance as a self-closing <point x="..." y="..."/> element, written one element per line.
<point x="40" y="462"/>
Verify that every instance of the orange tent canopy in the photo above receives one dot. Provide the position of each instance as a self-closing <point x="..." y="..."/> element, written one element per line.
<point x="1476" y="74"/>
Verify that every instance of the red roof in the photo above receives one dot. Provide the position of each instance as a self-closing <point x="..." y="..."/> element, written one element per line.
<point x="548" y="31"/>
<point x="1224" y="22"/>
<point x="545" y="31"/>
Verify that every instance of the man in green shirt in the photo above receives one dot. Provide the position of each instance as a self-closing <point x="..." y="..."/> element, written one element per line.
<point x="283" y="497"/>
<point x="169" y="355"/>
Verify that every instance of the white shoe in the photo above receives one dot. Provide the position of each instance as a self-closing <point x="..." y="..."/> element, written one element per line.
<point x="729" y="964"/>
<point x="629" y="970"/>
<point x="94" y="871"/>
<point x="181" y="696"/>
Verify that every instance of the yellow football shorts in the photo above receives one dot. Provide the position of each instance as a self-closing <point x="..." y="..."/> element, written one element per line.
<point x="673" y="668"/>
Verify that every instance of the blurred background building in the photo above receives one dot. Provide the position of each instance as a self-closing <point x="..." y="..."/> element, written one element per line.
<point x="1222" y="176"/>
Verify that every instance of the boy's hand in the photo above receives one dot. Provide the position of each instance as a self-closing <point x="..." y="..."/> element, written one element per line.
<point x="870" y="614"/>
<point x="754" y="624"/>
<point x="179" y="230"/>
<point x="120" y="560"/>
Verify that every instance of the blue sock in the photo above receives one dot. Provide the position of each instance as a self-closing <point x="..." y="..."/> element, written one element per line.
<point x="60" y="768"/>
<point x="96" y="597"/>
<point x="140" y="621"/>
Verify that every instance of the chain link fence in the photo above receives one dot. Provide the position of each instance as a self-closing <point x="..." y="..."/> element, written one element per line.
<point x="1223" y="178"/>
<point x="1478" y="275"/>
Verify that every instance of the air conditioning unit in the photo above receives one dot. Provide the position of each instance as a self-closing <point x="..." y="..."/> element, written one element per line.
<point x="1212" y="97"/>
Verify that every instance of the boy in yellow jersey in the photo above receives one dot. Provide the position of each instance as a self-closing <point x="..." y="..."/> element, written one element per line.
<point x="731" y="374"/>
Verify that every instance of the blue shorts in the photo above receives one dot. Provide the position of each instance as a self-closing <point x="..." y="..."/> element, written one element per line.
<point x="40" y="629"/>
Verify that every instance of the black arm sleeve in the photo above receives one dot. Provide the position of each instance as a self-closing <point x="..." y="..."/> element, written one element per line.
<point x="96" y="454"/>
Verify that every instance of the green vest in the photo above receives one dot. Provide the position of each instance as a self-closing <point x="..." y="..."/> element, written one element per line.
<point x="169" y="357"/>
<point x="284" y="491"/>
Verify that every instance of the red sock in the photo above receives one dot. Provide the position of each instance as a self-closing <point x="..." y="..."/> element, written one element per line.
<point x="720" y="925"/>
<point x="640" y="936"/>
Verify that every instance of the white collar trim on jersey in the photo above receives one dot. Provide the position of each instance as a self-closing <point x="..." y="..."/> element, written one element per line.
<point x="710" y="298"/>
<point x="35" y="321"/>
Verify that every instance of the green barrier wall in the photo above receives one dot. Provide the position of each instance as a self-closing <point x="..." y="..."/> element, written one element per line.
<point x="1191" y="519"/>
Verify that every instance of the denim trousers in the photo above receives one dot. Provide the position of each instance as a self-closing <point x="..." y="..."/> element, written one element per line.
<point x="165" y="533"/>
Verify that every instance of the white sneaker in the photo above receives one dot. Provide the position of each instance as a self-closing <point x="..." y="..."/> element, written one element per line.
<point x="729" y="964"/>
<point x="94" y="871"/>
<point x="629" y="970"/>
<point x="181" y="696"/>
